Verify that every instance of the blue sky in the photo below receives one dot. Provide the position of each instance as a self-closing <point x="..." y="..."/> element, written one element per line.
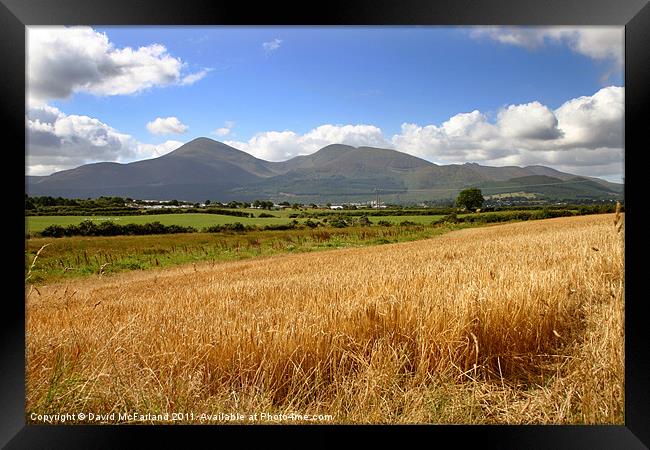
<point x="256" y="81"/>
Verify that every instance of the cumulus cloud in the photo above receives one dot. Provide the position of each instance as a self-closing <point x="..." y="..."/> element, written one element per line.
<point x="167" y="125"/>
<point x="464" y="137"/>
<point x="528" y="121"/>
<point x="282" y="145"/>
<point x="225" y="130"/>
<point x="272" y="145"/>
<point x="583" y="136"/>
<point x="600" y="43"/>
<point x="57" y="141"/>
<point x="593" y="121"/>
<point x="271" y="46"/>
<point x="65" y="60"/>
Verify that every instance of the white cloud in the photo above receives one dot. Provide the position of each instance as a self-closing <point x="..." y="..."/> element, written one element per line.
<point x="593" y="121"/>
<point x="60" y="140"/>
<point x="282" y="145"/>
<point x="583" y="136"/>
<point x="57" y="141"/>
<point x="145" y="151"/>
<point x="431" y="143"/>
<point x="167" y="125"/>
<point x="272" y="45"/>
<point x="464" y="137"/>
<point x="355" y="135"/>
<point x="271" y="145"/>
<point x="528" y="121"/>
<point x="194" y="77"/>
<point x="65" y="60"/>
<point x="600" y="43"/>
<point x="225" y="130"/>
<point x="597" y="42"/>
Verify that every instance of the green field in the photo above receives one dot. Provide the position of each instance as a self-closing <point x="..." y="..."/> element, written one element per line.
<point x="35" y="224"/>
<point x="39" y="223"/>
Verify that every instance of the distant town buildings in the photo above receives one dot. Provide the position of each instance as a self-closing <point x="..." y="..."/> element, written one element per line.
<point x="175" y="204"/>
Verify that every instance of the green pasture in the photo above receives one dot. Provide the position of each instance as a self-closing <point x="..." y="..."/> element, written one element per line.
<point x="39" y="223"/>
<point x="35" y="224"/>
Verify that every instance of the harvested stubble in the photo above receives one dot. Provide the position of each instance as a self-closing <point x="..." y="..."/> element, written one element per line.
<point x="517" y="323"/>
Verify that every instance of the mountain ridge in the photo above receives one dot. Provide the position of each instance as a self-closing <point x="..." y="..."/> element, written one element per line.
<point x="207" y="169"/>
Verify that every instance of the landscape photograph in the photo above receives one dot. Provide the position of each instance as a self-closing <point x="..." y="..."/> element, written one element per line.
<point x="308" y="225"/>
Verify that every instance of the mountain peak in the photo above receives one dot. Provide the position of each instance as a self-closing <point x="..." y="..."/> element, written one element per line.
<point x="336" y="148"/>
<point x="203" y="140"/>
<point x="203" y="145"/>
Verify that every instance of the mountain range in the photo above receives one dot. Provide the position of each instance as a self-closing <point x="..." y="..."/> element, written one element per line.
<point x="206" y="169"/>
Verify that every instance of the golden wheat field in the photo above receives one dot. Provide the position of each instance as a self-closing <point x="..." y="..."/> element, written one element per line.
<point x="515" y="323"/>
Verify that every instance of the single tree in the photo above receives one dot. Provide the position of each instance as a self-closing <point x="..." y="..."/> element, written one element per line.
<point x="470" y="199"/>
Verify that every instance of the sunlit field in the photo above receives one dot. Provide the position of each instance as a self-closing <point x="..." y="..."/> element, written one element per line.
<point x="39" y="223"/>
<point x="515" y="323"/>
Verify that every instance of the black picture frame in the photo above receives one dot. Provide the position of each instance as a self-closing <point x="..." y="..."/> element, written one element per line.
<point x="633" y="14"/>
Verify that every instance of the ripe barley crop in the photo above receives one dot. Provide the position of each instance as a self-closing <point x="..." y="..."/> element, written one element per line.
<point x="517" y="323"/>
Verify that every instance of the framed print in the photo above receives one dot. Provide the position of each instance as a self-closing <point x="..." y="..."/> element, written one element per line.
<point x="386" y="217"/>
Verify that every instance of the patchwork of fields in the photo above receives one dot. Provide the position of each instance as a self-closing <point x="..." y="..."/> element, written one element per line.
<point x="499" y="324"/>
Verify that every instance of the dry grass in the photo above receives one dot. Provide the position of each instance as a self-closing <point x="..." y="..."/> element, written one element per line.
<point x="518" y="323"/>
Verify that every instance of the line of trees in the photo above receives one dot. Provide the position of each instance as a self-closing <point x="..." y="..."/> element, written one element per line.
<point x="264" y="204"/>
<point x="90" y="228"/>
<point x="100" y="202"/>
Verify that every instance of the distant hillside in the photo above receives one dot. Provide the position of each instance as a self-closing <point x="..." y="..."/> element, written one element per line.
<point x="542" y="170"/>
<point x="32" y="179"/>
<point x="543" y="186"/>
<point x="206" y="169"/>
